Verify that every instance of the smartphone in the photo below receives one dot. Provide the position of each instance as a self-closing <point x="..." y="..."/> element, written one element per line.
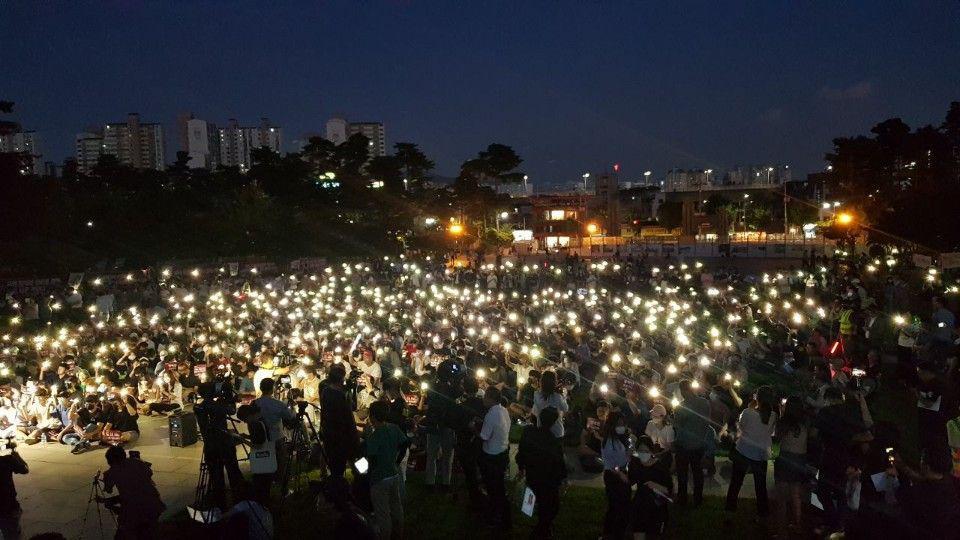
<point x="361" y="465"/>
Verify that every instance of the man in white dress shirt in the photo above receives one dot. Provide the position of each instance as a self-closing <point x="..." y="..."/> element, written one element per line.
<point x="495" y="457"/>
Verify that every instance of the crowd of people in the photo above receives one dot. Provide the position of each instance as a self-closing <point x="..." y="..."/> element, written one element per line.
<point x="662" y="378"/>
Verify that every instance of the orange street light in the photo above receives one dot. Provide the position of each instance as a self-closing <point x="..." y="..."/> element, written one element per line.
<point x="456" y="229"/>
<point x="592" y="228"/>
<point x="844" y="218"/>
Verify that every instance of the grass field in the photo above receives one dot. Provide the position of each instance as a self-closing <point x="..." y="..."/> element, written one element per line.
<point x="431" y="515"/>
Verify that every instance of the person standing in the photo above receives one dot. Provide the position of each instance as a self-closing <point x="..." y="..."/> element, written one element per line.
<point x="384" y="451"/>
<point x="441" y="438"/>
<point x="550" y="396"/>
<point x="754" y="441"/>
<point x="540" y="459"/>
<point x="469" y="413"/>
<point x="339" y="431"/>
<point x="694" y="435"/>
<point x="276" y="414"/>
<point x="615" y="453"/>
<point x="10" y="464"/>
<point x="494" y="457"/>
<point x="790" y="468"/>
<point x="943" y="325"/>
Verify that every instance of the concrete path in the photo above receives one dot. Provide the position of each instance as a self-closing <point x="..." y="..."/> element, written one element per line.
<point x="54" y="494"/>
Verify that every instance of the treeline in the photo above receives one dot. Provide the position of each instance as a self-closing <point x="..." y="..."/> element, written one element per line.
<point x="906" y="181"/>
<point x="328" y="200"/>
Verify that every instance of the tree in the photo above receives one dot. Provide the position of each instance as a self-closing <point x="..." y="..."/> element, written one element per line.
<point x="387" y="169"/>
<point x="414" y="164"/>
<point x="501" y="162"/>
<point x="497" y="163"/>
<point x="6" y="107"/>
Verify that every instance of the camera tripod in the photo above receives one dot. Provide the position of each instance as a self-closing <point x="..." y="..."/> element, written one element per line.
<point x="305" y="450"/>
<point x="96" y="493"/>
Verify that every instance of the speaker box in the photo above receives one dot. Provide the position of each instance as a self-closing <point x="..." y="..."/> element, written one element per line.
<point x="183" y="429"/>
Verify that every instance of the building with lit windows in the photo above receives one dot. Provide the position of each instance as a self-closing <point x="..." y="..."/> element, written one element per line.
<point x="237" y="142"/>
<point x="339" y="130"/>
<point x="16" y="141"/>
<point x="134" y="143"/>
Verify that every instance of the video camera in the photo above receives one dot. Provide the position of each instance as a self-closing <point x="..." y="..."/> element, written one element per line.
<point x="7" y="446"/>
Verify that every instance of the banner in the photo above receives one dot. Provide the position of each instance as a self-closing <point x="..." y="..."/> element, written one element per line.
<point x="950" y="260"/>
<point x="922" y="261"/>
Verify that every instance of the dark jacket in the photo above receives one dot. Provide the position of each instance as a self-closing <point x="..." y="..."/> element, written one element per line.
<point x="692" y="425"/>
<point x="340" y="436"/>
<point x="540" y="455"/>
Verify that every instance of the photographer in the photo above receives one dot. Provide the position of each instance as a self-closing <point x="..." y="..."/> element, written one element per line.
<point x="339" y="432"/>
<point x="263" y="451"/>
<point x="275" y="415"/>
<point x="10" y="463"/>
<point x="219" y="448"/>
<point x="137" y="503"/>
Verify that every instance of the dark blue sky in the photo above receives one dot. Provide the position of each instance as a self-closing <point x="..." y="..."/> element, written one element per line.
<point x="572" y="86"/>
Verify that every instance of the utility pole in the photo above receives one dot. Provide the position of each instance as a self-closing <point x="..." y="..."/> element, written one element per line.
<point x="784" y="212"/>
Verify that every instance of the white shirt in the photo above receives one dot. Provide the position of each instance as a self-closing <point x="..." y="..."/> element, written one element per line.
<point x="557" y="402"/>
<point x="372" y="371"/>
<point x="755" y="438"/>
<point x="259" y="376"/>
<point x="496" y="430"/>
<point x="662" y="435"/>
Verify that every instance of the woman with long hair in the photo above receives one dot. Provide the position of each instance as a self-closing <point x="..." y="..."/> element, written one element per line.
<point x="755" y="430"/>
<point x="549" y="396"/>
<point x="615" y="452"/>
<point x="790" y="467"/>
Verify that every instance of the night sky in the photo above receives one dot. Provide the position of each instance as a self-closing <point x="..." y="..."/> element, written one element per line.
<point x="572" y="86"/>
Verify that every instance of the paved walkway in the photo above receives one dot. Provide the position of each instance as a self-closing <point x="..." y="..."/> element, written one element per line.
<point x="54" y="494"/>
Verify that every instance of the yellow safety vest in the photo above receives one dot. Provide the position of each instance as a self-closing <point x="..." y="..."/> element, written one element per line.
<point x="846" y="322"/>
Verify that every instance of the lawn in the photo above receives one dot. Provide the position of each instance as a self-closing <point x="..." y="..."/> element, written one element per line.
<point x="431" y="515"/>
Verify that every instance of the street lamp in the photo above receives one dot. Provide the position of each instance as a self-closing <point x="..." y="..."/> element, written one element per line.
<point x="456" y="229"/>
<point x="646" y="177"/>
<point x="585" y="176"/>
<point x="592" y="228"/>
<point x="706" y="178"/>
<point x="502" y="216"/>
<point x="844" y="218"/>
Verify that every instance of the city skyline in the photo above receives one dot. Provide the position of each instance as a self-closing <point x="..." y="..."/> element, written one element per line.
<point x="769" y="83"/>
